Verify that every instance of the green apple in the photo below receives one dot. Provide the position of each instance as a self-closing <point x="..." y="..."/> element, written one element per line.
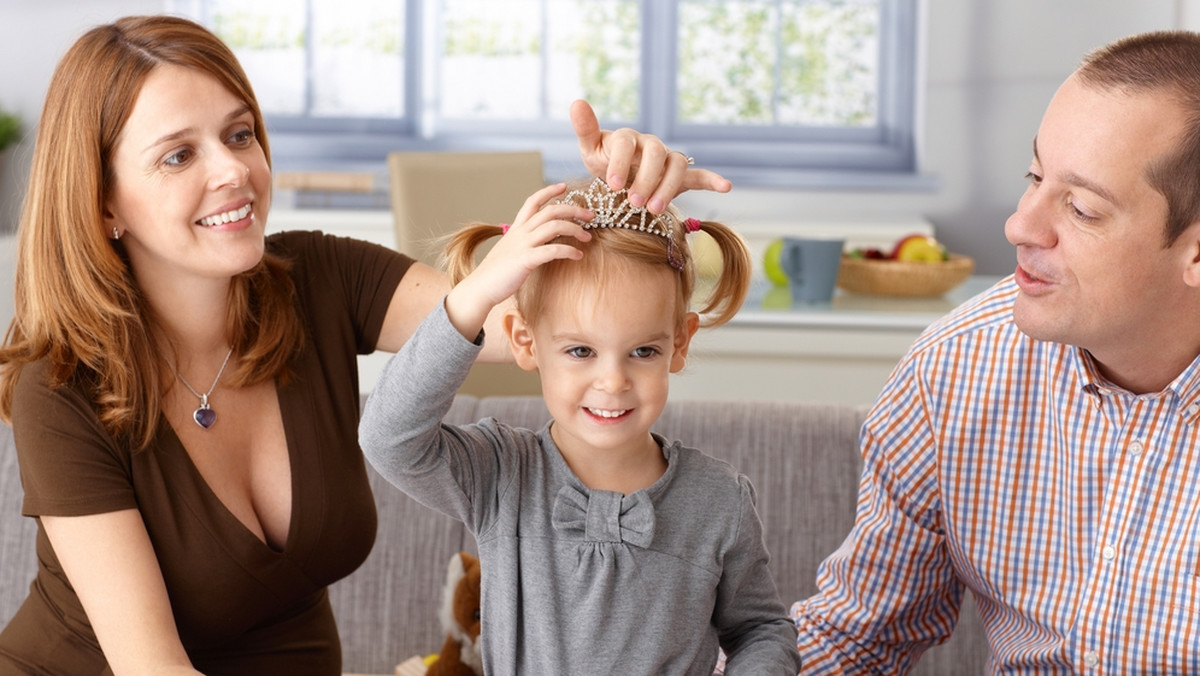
<point x="777" y="298"/>
<point x="771" y="264"/>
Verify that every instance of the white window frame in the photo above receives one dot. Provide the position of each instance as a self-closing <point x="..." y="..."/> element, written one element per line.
<point x="883" y="156"/>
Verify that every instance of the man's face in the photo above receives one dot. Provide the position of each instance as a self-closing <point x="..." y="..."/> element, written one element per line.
<point x="1092" y="267"/>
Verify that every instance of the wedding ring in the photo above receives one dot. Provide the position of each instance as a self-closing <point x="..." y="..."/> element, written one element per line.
<point x="690" y="160"/>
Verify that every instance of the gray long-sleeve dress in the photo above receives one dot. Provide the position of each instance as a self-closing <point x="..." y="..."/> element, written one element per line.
<point x="580" y="581"/>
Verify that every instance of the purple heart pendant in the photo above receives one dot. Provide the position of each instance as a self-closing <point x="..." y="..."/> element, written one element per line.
<point x="204" y="417"/>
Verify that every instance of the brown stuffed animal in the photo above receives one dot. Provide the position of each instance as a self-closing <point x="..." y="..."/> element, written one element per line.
<point x="460" y="654"/>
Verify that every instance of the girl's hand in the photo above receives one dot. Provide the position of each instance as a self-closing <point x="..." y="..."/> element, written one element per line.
<point x="661" y="174"/>
<point x="528" y="243"/>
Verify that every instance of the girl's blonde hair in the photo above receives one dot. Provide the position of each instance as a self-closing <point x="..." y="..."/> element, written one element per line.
<point x="77" y="303"/>
<point x="613" y="246"/>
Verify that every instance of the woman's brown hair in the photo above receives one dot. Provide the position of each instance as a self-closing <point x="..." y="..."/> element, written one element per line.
<point x="612" y="247"/>
<point x="77" y="304"/>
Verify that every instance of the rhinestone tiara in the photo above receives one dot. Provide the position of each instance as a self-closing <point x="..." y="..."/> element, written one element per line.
<point x="613" y="211"/>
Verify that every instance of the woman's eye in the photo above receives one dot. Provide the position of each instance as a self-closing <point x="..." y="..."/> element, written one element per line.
<point x="579" y="352"/>
<point x="242" y="137"/>
<point x="178" y="158"/>
<point x="1033" y="178"/>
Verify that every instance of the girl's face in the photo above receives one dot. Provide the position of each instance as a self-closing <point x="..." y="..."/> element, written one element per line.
<point x="604" y="355"/>
<point x="192" y="185"/>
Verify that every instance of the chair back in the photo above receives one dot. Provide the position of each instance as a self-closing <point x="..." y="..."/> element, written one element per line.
<point x="433" y="194"/>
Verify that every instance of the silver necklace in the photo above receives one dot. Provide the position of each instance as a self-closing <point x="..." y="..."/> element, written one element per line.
<point x="204" y="415"/>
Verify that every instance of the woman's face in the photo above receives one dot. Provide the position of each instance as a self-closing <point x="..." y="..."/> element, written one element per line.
<point x="192" y="185"/>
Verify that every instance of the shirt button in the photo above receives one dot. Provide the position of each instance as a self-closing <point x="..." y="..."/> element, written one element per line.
<point x="1109" y="553"/>
<point x="1193" y="409"/>
<point x="1091" y="659"/>
<point x="1136" y="447"/>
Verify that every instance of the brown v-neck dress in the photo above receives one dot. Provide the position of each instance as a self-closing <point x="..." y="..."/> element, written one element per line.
<point x="241" y="606"/>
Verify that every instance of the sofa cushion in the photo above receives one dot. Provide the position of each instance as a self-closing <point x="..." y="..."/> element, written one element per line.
<point x="18" y="556"/>
<point x="387" y="610"/>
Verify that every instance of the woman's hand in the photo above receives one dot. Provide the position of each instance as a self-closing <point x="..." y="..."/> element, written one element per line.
<point x="529" y="243"/>
<point x="662" y="174"/>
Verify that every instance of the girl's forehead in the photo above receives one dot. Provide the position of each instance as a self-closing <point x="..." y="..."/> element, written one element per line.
<point x="581" y="286"/>
<point x="617" y="294"/>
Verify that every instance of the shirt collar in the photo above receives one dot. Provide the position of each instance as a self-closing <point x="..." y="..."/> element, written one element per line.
<point x="1186" y="385"/>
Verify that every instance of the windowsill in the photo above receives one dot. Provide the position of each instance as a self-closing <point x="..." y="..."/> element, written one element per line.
<point x="564" y="166"/>
<point x="811" y="179"/>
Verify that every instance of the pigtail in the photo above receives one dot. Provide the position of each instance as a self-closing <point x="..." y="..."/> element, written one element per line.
<point x="733" y="283"/>
<point x="458" y="255"/>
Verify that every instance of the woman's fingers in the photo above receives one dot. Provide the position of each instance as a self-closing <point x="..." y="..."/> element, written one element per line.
<point x="653" y="173"/>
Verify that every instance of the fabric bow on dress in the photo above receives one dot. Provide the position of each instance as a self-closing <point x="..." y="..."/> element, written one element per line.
<point x="604" y="516"/>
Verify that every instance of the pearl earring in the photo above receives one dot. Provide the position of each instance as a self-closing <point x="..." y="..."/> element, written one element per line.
<point x="116" y="233"/>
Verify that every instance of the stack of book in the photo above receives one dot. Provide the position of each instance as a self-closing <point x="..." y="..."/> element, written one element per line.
<point x="331" y="190"/>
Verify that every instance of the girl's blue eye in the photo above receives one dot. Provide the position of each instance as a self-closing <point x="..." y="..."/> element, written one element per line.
<point x="645" y="352"/>
<point x="580" y="352"/>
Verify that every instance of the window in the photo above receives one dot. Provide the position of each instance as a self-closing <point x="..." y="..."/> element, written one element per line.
<point x="768" y="92"/>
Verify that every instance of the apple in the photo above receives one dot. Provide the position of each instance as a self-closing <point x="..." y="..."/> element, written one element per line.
<point x="771" y="263"/>
<point x="919" y="248"/>
<point x="777" y="298"/>
<point x="869" y="253"/>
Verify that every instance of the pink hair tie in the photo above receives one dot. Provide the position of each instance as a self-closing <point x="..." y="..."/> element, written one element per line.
<point x="504" y="228"/>
<point x="691" y="224"/>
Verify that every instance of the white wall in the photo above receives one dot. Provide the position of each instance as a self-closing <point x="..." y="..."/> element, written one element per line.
<point x="991" y="67"/>
<point x="33" y="35"/>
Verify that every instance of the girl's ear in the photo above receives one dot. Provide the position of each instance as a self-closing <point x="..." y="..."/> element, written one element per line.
<point x="683" y="339"/>
<point x="520" y="337"/>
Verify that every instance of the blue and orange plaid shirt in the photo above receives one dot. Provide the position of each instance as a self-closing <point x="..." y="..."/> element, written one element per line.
<point x="1010" y="468"/>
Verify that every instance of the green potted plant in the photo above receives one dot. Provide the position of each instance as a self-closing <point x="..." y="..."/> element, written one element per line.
<point x="10" y="129"/>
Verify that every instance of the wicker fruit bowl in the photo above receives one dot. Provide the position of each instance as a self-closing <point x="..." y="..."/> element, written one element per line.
<point x="903" y="278"/>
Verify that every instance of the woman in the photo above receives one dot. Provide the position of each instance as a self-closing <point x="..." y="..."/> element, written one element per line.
<point x="181" y="387"/>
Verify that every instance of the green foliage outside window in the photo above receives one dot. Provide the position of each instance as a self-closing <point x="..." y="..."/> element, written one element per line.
<point x="768" y="63"/>
<point x="248" y="30"/>
<point x="608" y="65"/>
<point x="740" y="62"/>
<point x="10" y="129"/>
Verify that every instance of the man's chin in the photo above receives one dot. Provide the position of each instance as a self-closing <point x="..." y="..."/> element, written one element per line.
<point x="1035" y="321"/>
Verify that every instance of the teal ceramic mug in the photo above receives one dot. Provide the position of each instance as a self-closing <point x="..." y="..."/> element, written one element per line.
<point x="812" y="267"/>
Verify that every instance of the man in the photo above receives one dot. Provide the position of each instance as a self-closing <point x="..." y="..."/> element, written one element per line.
<point x="1040" y="446"/>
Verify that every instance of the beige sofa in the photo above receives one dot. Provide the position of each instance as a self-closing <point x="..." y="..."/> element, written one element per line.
<point x="802" y="458"/>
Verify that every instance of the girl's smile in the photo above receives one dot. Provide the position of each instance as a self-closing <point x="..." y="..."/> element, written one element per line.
<point x="605" y="356"/>
<point x="608" y="415"/>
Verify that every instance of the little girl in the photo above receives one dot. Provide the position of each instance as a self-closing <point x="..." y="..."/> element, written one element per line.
<point x="605" y="548"/>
